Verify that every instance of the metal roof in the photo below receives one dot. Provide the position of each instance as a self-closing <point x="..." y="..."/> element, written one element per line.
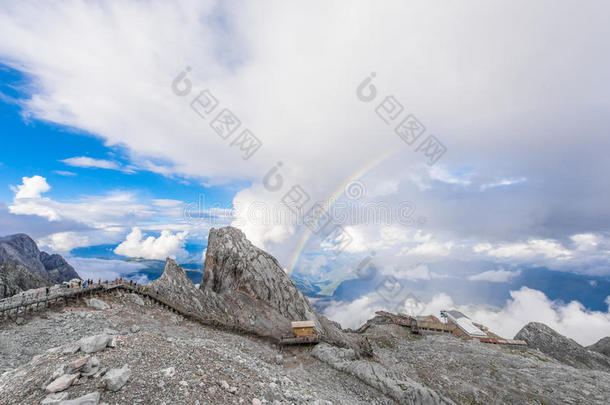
<point x="456" y="314"/>
<point x="464" y="323"/>
<point x="302" y="324"/>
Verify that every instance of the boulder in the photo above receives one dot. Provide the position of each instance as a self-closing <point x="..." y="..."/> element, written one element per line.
<point x="136" y="299"/>
<point x="61" y="383"/>
<point x="76" y="365"/>
<point x="116" y="378"/>
<point x="97" y="304"/>
<point x="95" y="343"/>
<point x="91" y="367"/>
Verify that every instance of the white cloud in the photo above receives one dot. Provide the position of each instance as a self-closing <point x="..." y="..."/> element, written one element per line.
<point x="495" y="276"/>
<point x="106" y="218"/>
<point x="355" y="313"/>
<point x="41" y="208"/>
<point x="254" y="64"/>
<point x="429" y="249"/>
<point x="105" y="269"/>
<point x="382" y="188"/>
<point x="64" y="241"/>
<point x="586" y="241"/>
<point x="32" y="187"/>
<point x="83" y="161"/>
<point x="166" y="245"/>
<point x="443" y="175"/>
<point x="503" y="182"/>
<point x="64" y="173"/>
<point x="167" y="203"/>
<point x="545" y="248"/>
<point x="528" y="305"/>
<point x="112" y="209"/>
<point x="420" y="272"/>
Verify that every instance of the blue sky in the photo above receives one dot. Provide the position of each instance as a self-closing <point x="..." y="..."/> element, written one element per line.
<point x="48" y="144"/>
<point x="109" y="137"/>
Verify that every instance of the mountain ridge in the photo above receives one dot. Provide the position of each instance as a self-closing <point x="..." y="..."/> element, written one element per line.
<point x="32" y="268"/>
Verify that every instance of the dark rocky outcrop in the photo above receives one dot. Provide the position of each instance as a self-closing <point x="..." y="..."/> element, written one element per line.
<point x="25" y="267"/>
<point x="245" y="288"/>
<point x="548" y="341"/>
<point x="15" y="279"/>
<point x="57" y="268"/>
<point x="602" y="346"/>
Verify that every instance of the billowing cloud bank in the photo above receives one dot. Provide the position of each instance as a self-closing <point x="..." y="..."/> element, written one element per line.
<point x="167" y="244"/>
<point x="525" y="305"/>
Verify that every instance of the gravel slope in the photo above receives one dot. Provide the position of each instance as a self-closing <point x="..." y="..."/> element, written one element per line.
<point x="202" y="358"/>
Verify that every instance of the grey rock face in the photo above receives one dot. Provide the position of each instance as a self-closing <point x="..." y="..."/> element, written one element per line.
<point x="559" y="347"/>
<point x="116" y="378"/>
<point x="239" y="272"/>
<point x="21" y="250"/>
<point x="602" y="346"/>
<point x="57" y="268"/>
<point x="175" y="286"/>
<point x="33" y="268"/>
<point x="15" y="279"/>
<point x="135" y="298"/>
<point x="472" y="372"/>
<point x="234" y="264"/>
<point x="402" y="389"/>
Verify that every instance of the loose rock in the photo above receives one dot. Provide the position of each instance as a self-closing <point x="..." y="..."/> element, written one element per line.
<point x="54" y="399"/>
<point x="89" y="399"/>
<point x="62" y="383"/>
<point x="97" y="304"/>
<point x="116" y="378"/>
<point x="94" y="343"/>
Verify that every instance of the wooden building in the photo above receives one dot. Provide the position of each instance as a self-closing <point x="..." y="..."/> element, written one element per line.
<point x="303" y="328"/>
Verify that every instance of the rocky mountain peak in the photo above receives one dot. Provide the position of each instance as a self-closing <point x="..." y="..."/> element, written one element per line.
<point x="175" y="285"/>
<point x="234" y="264"/>
<point x="21" y="240"/>
<point x="542" y="337"/>
<point x="173" y="273"/>
<point x="245" y="288"/>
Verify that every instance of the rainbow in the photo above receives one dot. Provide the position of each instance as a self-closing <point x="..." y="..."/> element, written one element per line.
<point x="334" y="197"/>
